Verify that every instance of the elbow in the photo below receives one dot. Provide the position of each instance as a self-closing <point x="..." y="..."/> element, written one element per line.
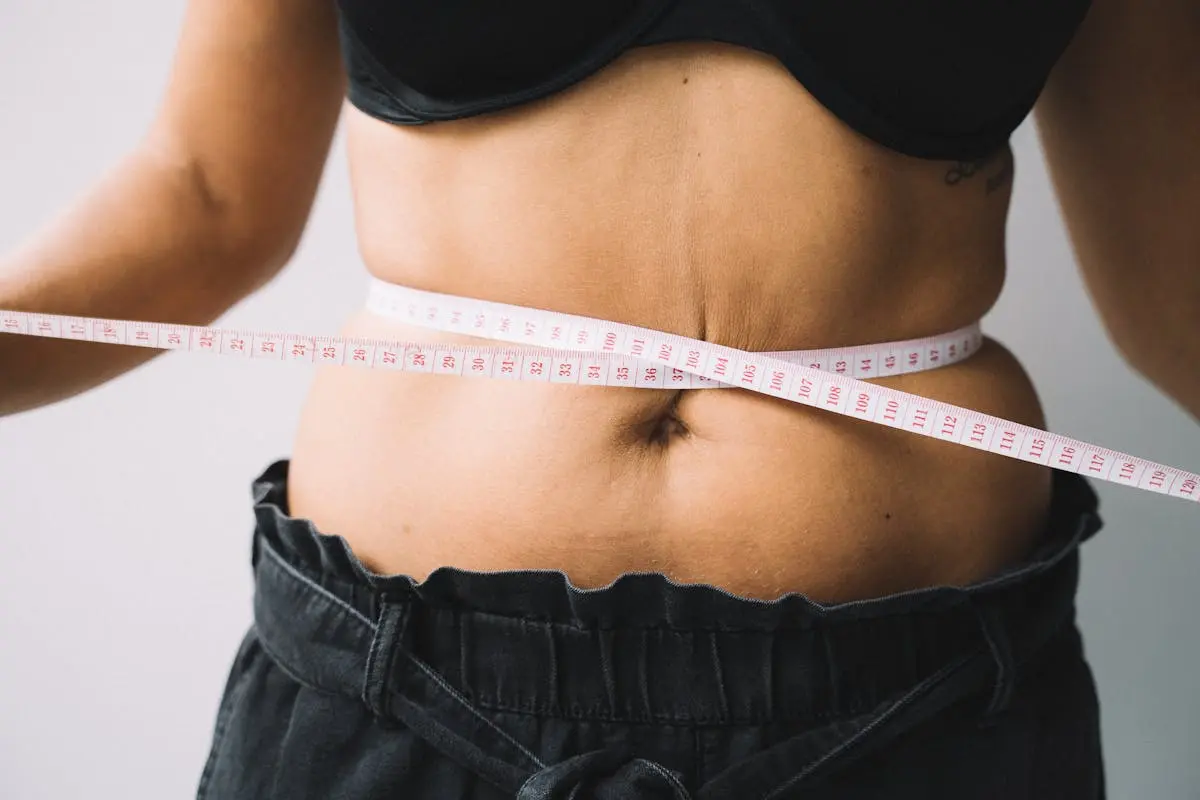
<point x="255" y="235"/>
<point x="1143" y="339"/>
<point x="1131" y="334"/>
<point x="247" y="230"/>
<point x="254" y="252"/>
<point x="237" y="254"/>
<point x="1163" y="346"/>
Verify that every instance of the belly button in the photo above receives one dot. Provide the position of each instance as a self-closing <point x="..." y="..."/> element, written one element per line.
<point x="666" y="429"/>
<point x="665" y="426"/>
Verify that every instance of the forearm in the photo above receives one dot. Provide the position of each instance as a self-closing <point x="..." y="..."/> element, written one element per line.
<point x="150" y="242"/>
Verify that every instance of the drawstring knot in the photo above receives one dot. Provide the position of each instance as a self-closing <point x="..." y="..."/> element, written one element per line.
<point x="604" y="775"/>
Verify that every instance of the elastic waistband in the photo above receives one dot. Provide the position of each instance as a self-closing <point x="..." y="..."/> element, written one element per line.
<point x="642" y="649"/>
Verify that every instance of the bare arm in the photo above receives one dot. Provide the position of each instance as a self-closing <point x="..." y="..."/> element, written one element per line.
<point x="1120" y="122"/>
<point x="204" y="210"/>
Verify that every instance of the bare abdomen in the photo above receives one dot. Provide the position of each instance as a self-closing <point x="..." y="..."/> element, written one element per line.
<point x="728" y="207"/>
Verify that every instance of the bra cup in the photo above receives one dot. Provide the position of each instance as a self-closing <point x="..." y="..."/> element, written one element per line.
<point x="936" y="79"/>
<point x="470" y="50"/>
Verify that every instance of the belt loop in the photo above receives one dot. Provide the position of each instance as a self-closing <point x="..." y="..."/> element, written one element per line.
<point x="393" y="622"/>
<point x="991" y="623"/>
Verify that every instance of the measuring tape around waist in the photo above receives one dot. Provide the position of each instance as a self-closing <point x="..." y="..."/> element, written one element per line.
<point x="548" y="329"/>
<point x="564" y="348"/>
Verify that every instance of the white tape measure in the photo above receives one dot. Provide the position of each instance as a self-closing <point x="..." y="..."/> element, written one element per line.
<point x="564" y="348"/>
<point x="638" y="367"/>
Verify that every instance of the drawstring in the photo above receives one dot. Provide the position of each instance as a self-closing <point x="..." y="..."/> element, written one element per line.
<point x="991" y="623"/>
<point x="598" y="775"/>
<point x="604" y="775"/>
<point x="408" y="694"/>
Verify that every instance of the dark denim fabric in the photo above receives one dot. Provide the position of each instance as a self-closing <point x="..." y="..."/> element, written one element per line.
<point x="354" y="686"/>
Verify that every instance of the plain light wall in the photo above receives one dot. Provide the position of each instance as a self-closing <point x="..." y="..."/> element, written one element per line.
<point x="125" y="517"/>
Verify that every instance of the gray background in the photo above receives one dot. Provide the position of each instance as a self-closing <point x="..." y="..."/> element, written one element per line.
<point x="124" y="514"/>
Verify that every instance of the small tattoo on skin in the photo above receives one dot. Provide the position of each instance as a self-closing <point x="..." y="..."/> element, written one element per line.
<point x="963" y="170"/>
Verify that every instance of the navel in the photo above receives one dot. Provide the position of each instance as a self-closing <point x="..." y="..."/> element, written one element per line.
<point x="664" y="426"/>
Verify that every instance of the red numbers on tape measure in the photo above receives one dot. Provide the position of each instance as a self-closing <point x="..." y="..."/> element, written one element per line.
<point x="609" y="354"/>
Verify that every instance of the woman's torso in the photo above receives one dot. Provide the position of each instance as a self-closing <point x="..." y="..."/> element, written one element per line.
<point x="695" y="188"/>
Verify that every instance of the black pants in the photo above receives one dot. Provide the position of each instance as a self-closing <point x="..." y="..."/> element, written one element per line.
<point x="353" y="686"/>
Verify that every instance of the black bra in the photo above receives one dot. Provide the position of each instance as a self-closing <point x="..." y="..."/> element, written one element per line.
<point x="944" y="79"/>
